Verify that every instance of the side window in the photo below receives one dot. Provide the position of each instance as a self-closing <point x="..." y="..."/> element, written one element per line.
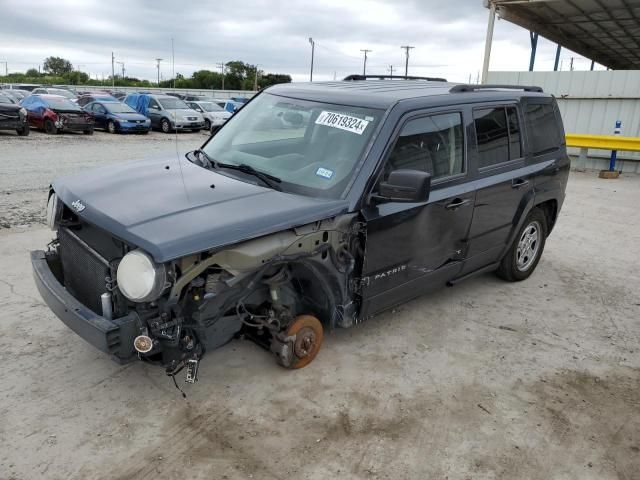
<point x="154" y="104"/>
<point x="542" y="128"/>
<point x="492" y="136"/>
<point x="99" y="108"/>
<point x="431" y="144"/>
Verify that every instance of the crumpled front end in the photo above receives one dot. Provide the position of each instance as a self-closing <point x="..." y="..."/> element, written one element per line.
<point x="118" y="299"/>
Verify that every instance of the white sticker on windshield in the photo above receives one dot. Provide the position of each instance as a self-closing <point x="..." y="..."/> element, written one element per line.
<point x="342" y="121"/>
<point x="324" y="173"/>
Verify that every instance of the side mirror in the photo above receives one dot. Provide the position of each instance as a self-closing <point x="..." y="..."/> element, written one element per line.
<point x="405" y="186"/>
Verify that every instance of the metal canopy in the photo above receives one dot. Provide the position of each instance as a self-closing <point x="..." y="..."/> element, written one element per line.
<point x="606" y="31"/>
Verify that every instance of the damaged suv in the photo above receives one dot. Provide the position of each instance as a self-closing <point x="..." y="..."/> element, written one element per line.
<point x="316" y="206"/>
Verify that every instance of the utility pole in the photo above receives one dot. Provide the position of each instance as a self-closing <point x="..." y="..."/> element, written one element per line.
<point x="6" y="68"/>
<point x="121" y="63"/>
<point x="221" y="65"/>
<point x="364" y="66"/>
<point x="158" y="60"/>
<point x="313" y="48"/>
<point x="113" y="70"/>
<point x="406" y="59"/>
<point x="391" y="70"/>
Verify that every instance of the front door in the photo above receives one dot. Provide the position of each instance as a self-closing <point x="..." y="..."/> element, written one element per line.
<point x="413" y="247"/>
<point x="154" y="113"/>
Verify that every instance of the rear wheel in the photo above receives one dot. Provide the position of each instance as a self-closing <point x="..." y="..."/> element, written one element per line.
<point x="88" y="131"/>
<point x="111" y="127"/>
<point x="525" y="252"/>
<point x="50" y="127"/>
<point x="207" y="124"/>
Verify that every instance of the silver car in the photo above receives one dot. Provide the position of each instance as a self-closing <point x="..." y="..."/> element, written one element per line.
<point x="170" y="113"/>
<point x="214" y="115"/>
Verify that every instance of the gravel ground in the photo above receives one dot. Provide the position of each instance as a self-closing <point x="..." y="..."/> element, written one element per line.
<point x="29" y="164"/>
<point x="486" y="380"/>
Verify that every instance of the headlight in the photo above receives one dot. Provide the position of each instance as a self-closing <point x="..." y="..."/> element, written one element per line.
<point x="140" y="279"/>
<point x="54" y="211"/>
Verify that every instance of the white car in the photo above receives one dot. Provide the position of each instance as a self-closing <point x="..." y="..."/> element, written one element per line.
<point x="214" y="115"/>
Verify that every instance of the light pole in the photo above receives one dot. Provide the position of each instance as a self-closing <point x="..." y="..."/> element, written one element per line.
<point x="364" y="65"/>
<point x="313" y="47"/>
<point x="158" y="60"/>
<point x="406" y="59"/>
<point x="122" y="64"/>
<point x="6" y="68"/>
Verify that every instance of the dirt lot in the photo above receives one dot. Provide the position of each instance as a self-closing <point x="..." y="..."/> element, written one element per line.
<point x="486" y="380"/>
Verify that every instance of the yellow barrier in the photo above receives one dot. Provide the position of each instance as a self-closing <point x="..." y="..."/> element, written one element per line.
<point x="604" y="142"/>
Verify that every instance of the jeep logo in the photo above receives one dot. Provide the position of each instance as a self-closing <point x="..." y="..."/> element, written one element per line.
<point x="78" y="206"/>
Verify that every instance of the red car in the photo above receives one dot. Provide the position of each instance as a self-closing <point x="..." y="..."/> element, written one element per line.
<point x="56" y="114"/>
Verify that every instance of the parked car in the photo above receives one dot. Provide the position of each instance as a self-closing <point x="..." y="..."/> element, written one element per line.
<point x="13" y="116"/>
<point x="56" y="114"/>
<point x="279" y="234"/>
<point x="63" y="92"/>
<point x="116" y="117"/>
<point x="229" y="105"/>
<point x="214" y="115"/>
<point x="166" y="112"/>
<point x="16" y="94"/>
<point x="120" y="96"/>
<point x="95" y="97"/>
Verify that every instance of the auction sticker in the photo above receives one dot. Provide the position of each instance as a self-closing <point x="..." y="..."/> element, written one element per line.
<point x="342" y="121"/>
<point x="324" y="173"/>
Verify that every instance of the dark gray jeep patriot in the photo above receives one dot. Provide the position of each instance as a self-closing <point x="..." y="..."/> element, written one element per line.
<point x="314" y="207"/>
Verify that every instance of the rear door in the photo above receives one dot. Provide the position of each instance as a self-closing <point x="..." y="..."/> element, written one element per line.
<point x="504" y="183"/>
<point x="154" y="112"/>
<point x="414" y="247"/>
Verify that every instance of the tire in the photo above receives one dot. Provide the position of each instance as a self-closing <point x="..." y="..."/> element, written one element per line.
<point x="24" y="131"/>
<point x="207" y="124"/>
<point x="50" y="127"/>
<point x="524" y="254"/>
<point x="165" y="125"/>
<point x="88" y="132"/>
<point x="111" y="127"/>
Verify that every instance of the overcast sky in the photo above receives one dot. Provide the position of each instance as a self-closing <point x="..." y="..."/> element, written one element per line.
<point x="448" y="36"/>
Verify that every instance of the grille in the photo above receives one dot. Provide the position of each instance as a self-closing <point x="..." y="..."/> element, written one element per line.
<point x="85" y="271"/>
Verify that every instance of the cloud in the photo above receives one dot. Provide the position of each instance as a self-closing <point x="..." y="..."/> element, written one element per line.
<point x="448" y="36"/>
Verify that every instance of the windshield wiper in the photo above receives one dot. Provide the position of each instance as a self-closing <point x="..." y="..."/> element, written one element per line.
<point x="206" y="161"/>
<point x="270" y="180"/>
<point x="201" y="156"/>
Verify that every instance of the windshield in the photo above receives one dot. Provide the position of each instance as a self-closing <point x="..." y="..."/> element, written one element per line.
<point x="313" y="147"/>
<point x="4" y="99"/>
<point x="63" y="92"/>
<point x="119" y="108"/>
<point x="61" y="104"/>
<point x="172" y="104"/>
<point x="210" y="107"/>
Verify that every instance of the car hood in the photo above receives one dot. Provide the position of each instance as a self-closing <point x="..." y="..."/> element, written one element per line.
<point x="188" y="112"/>
<point x="218" y="114"/>
<point x="9" y="108"/>
<point x="128" y="116"/>
<point x="172" y="208"/>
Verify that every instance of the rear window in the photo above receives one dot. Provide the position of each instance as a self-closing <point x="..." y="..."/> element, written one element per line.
<point x="544" y="131"/>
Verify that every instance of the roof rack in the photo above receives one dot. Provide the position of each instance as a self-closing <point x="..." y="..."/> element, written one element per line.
<point x="391" y="77"/>
<point x="471" y="88"/>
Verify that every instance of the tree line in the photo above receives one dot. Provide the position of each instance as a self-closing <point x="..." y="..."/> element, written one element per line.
<point x="237" y="76"/>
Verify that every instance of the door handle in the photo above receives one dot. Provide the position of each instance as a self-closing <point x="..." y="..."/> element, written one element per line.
<point x="457" y="203"/>
<point x="519" y="182"/>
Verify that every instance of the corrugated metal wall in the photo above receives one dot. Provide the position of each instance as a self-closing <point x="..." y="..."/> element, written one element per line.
<point x="590" y="102"/>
